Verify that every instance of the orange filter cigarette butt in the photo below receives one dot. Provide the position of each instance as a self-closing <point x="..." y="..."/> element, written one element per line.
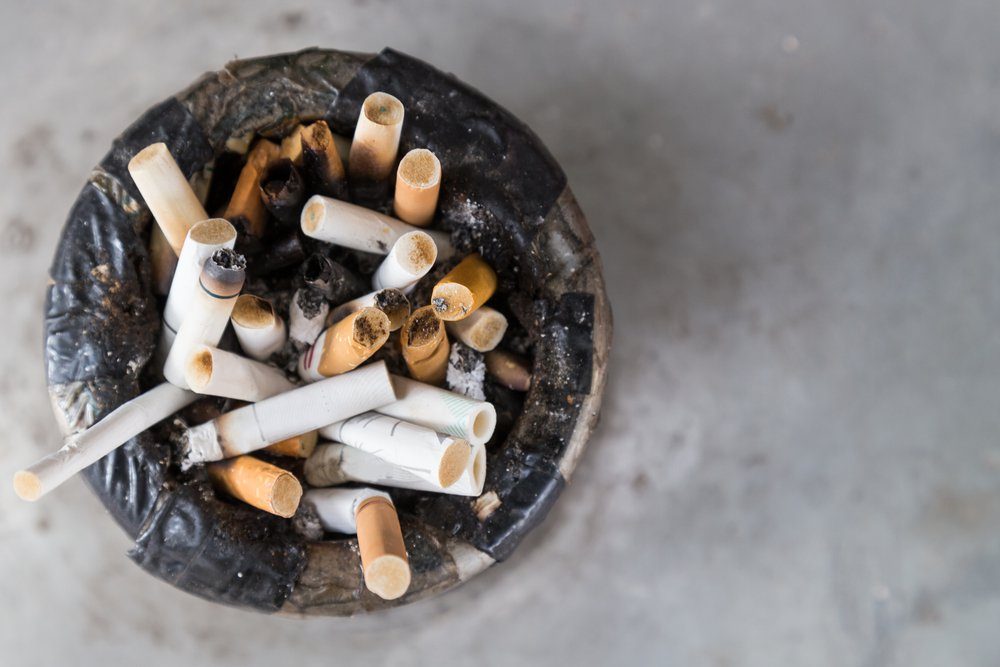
<point x="464" y="289"/>
<point x="425" y="346"/>
<point x="245" y="206"/>
<point x="291" y="146"/>
<point x="418" y="183"/>
<point x="383" y="552"/>
<point x="258" y="483"/>
<point x="346" y="345"/>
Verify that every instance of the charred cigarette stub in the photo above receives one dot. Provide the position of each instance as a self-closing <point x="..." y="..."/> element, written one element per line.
<point x="464" y="289"/>
<point x="392" y="302"/>
<point x="291" y="146"/>
<point x="331" y="279"/>
<point x="245" y="206"/>
<point x="282" y="190"/>
<point x="299" y="446"/>
<point x="285" y="251"/>
<point x="306" y="316"/>
<point x="411" y="257"/>
<point x="345" y="345"/>
<point x="418" y="182"/>
<point x="321" y="162"/>
<point x="376" y="138"/>
<point x="260" y="331"/>
<point x="482" y="330"/>
<point x="509" y="369"/>
<point x="216" y="372"/>
<point x="258" y="483"/>
<point x="162" y="259"/>
<point x="425" y="346"/>
<point x="441" y="410"/>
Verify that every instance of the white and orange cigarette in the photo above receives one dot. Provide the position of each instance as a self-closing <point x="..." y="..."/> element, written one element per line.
<point x="441" y="410"/>
<point x="260" y="331"/>
<point x="392" y="302"/>
<point x="425" y="346"/>
<point x="215" y="372"/>
<point x="411" y="257"/>
<point x="346" y="345"/>
<point x="464" y="289"/>
<point x="245" y="206"/>
<point x="258" y="483"/>
<point x="418" y="182"/>
<point x="482" y="330"/>
<point x="376" y="138"/>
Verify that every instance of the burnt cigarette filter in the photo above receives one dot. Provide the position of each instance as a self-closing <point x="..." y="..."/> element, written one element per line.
<point x="346" y="345"/>
<point x="216" y="372"/>
<point x="392" y="302"/>
<point x="376" y="138"/>
<point x="441" y="410"/>
<point x="118" y="427"/>
<point x="509" y="369"/>
<point x="482" y="330"/>
<point x="464" y="289"/>
<point x="299" y="446"/>
<point x="411" y="257"/>
<point x="291" y="146"/>
<point x="307" y="315"/>
<point x="425" y="346"/>
<point x="321" y="163"/>
<point x="286" y="251"/>
<point x="258" y="483"/>
<point x="418" y="182"/>
<point x="282" y="190"/>
<point x="286" y="415"/>
<point x="331" y="279"/>
<point x="260" y="331"/>
<point x="245" y="206"/>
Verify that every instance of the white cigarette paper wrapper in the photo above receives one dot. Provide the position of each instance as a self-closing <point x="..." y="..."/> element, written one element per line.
<point x="291" y="413"/>
<point x="304" y="329"/>
<point x="216" y="372"/>
<point x="204" y="325"/>
<point x="442" y="410"/>
<point x="260" y="342"/>
<point x="86" y="447"/>
<point x="411" y="257"/>
<point x="336" y="508"/>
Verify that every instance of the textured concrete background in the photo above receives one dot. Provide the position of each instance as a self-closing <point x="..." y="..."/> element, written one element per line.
<point x="796" y="203"/>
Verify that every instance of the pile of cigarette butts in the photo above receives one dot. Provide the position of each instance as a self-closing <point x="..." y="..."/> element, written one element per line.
<point x="315" y="388"/>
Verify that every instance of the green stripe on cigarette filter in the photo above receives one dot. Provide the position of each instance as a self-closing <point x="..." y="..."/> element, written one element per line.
<point x="213" y="294"/>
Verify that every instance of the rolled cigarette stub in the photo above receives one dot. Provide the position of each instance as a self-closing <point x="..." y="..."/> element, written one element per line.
<point x="334" y="463"/>
<point x="418" y="182"/>
<point x="360" y="228"/>
<point x="258" y="483"/>
<point x="346" y="345"/>
<point x="425" y="346"/>
<point x="392" y="302"/>
<point x="216" y="372"/>
<point x="482" y="330"/>
<point x="331" y="279"/>
<point x="376" y="138"/>
<point x="260" y="330"/>
<point x="82" y="449"/>
<point x="441" y="410"/>
<point x="321" y="163"/>
<point x="282" y="190"/>
<point x="286" y="415"/>
<point x="509" y="369"/>
<point x="464" y="289"/>
<point x="306" y="316"/>
<point x="371" y="515"/>
<point x="411" y="257"/>
<point x="291" y="146"/>
<point x="435" y="457"/>
<point x="245" y="206"/>
<point x="202" y="241"/>
<point x="299" y="446"/>
<point x="211" y="305"/>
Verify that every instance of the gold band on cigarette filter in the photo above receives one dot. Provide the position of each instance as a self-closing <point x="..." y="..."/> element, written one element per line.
<point x="258" y="483"/>
<point x="464" y="289"/>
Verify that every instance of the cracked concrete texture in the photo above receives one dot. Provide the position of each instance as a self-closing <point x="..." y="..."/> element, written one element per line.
<point x="795" y="202"/>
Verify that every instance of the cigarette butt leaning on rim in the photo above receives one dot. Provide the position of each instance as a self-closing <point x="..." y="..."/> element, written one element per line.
<point x="509" y="369"/>
<point x="260" y="331"/>
<point x="299" y="446"/>
<point x="376" y="138"/>
<point x="360" y="228"/>
<point x="258" y="483"/>
<point x="282" y="189"/>
<point x="346" y="345"/>
<point x="441" y="410"/>
<point x="82" y="449"/>
<point x="464" y="289"/>
<point x="321" y="164"/>
<point x="211" y="305"/>
<point x="372" y="516"/>
<point x="418" y="182"/>
<point x="245" y="206"/>
<point x="306" y="316"/>
<point x="216" y="372"/>
<point x="286" y="415"/>
<point x="291" y="146"/>
<point x="482" y="330"/>
<point x="411" y="257"/>
<point x="425" y="346"/>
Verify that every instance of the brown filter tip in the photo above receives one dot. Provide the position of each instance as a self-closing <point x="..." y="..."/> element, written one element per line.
<point x="253" y="312"/>
<point x="420" y="169"/>
<point x="371" y="327"/>
<point x="199" y="369"/>
<point x="453" y="463"/>
<point x="383" y="109"/>
<point x="213" y="231"/>
<point x="27" y="485"/>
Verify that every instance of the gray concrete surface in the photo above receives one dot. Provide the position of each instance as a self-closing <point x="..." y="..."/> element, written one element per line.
<point x="797" y="206"/>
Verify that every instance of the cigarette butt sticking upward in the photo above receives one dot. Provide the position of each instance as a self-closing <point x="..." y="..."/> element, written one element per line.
<point x="441" y="410"/>
<point x="464" y="289"/>
<point x="418" y="182"/>
<point x="411" y="257"/>
<point x="285" y="251"/>
<point x="332" y="279"/>
<point x="299" y="446"/>
<point x="482" y="330"/>
<point x="258" y="483"/>
<point x="306" y="317"/>
<point x="216" y="372"/>
<point x="392" y="302"/>
<point x="282" y="190"/>
<point x="321" y="163"/>
<point x="376" y="138"/>
<point x="245" y="206"/>
<point x="425" y="346"/>
<point x="509" y="369"/>
<point x="291" y="146"/>
<point x="82" y="449"/>
<point x="345" y="345"/>
<point x="260" y="330"/>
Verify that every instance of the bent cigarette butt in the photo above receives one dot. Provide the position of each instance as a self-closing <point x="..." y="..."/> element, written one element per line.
<point x="117" y="427"/>
<point x="260" y="331"/>
<point x="282" y="190"/>
<point x="392" y="302"/>
<point x="216" y="372"/>
<point x="299" y="446"/>
<point x="168" y="194"/>
<point x="509" y="369"/>
<point x="346" y="345"/>
<point x="246" y="206"/>
<point x="441" y="410"/>
<point x="425" y="346"/>
<point x="464" y="289"/>
<point x="418" y="182"/>
<point x="383" y="552"/>
<point x="482" y="330"/>
<point x="258" y="483"/>
<point x="376" y="138"/>
<point x="411" y="257"/>
<point x="291" y="146"/>
<point x="321" y="162"/>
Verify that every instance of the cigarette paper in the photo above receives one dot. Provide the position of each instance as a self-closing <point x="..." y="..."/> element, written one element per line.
<point x="245" y="206"/>
<point x="286" y="415"/>
<point x="425" y="346"/>
<point x="331" y="279"/>
<point x="360" y="228"/>
<point x="464" y="289"/>
<point x="306" y="316"/>
<point x="509" y="369"/>
<point x="418" y="182"/>
<point x="376" y="138"/>
<point x="258" y="483"/>
<point x="441" y="410"/>
<point x="411" y="257"/>
<point x="336" y="508"/>
<point x="392" y="302"/>
<point x="282" y="190"/>
<point x="211" y="305"/>
<point x="321" y="163"/>
<point x="82" y="449"/>
<point x="260" y="330"/>
<point x="291" y="146"/>
<point x="299" y="446"/>
<point x="482" y="330"/>
<point x="216" y="372"/>
<point x="346" y="345"/>
<point x="335" y="463"/>
<point x="435" y="457"/>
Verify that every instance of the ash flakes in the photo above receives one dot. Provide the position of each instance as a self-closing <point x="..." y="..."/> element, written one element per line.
<point x="466" y="372"/>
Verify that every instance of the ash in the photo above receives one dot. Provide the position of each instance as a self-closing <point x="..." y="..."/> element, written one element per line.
<point x="466" y="372"/>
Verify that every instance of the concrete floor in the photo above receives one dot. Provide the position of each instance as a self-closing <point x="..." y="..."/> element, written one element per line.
<point x="796" y="202"/>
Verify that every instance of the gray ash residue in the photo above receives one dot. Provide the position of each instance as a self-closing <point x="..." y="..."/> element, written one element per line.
<point x="309" y="301"/>
<point x="389" y="300"/>
<point x="439" y="304"/>
<point x="466" y="372"/>
<point x="317" y="269"/>
<point x="229" y="259"/>
<point x="306" y="523"/>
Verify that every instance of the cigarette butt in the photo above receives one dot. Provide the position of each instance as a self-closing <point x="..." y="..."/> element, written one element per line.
<point x="306" y="316"/>
<point x="441" y="410"/>
<point x="418" y="182"/>
<point x="486" y="504"/>
<point x="482" y="330"/>
<point x="282" y="190"/>
<point x="246" y="206"/>
<point x="299" y="446"/>
<point x="464" y="289"/>
<point x="258" y="483"/>
<point x="167" y="192"/>
<point x="162" y="259"/>
<point x="509" y="369"/>
<point x="411" y="257"/>
<point x="216" y="372"/>
<point x="260" y="331"/>
<point x="392" y="302"/>
<point x="321" y="162"/>
<point x="286" y="251"/>
<point x="383" y="552"/>
<point x="425" y="346"/>
<point x="332" y="279"/>
<point x="291" y="146"/>
<point x="376" y="138"/>
<point x="345" y="345"/>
